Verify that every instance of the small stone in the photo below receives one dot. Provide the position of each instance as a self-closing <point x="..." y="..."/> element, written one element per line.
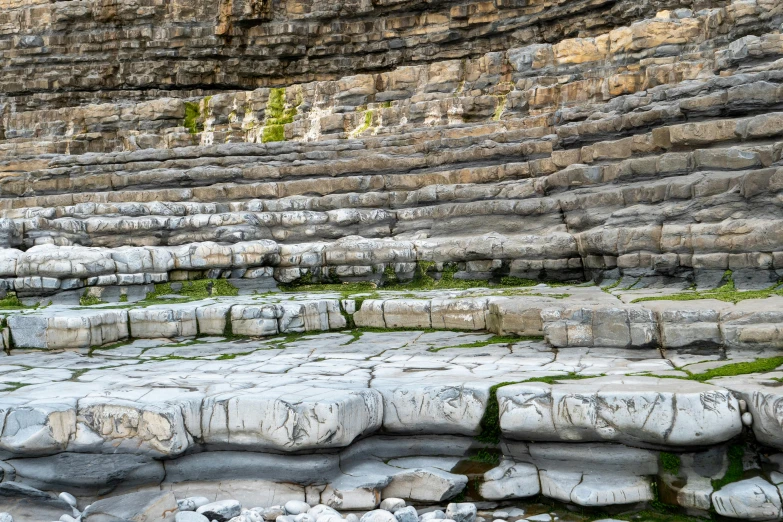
<point x="392" y="504"/>
<point x="432" y="515"/>
<point x="500" y="514"/>
<point x="296" y="507"/>
<point x="322" y="509"/>
<point x="222" y="510"/>
<point x="743" y="405"/>
<point x="516" y="512"/>
<point x="461" y="512"/>
<point x="406" y="514"/>
<point x="270" y="514"/>
<point x="747" y="418"/>
<point x="191" y="503"/>
<point x="378" y="515"/>
<point x="70" y="499"/>
<point x="329" y="518"/>
<point x="543" y="517"/>
<point x="190" y="516"/>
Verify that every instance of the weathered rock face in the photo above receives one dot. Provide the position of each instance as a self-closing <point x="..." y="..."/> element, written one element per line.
<point x="564" y="142"/>
<point x="165" y="164"/>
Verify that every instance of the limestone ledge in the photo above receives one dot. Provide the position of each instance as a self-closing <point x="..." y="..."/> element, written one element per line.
<point x="251" y="396"/>
<point x="564" y="316"/>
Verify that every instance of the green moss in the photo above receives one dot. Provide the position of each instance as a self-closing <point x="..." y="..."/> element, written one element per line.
<point x="741" y="368"/>
<point x="734" y="470"/>
<point x="366" y="125"/>
<point x="486" y="456"/>
<point x="124" y="298"/>
<point x="495" y="339"/>
<point x="389" y="276"/>
<point x="11" y="302"/>
<point x="273" y="133"/>
<point x="13" y="386"/>
<point x="277" y="115"/>
<point x="726" y="292"/>
<point x="198" y="289"/>
<point x="231" y="356"/>
<point x="670" y="463"/>
<point x="193" y="121"/>
<point x="608" y="288"/>
<point x="386" y="105"/>
<point x="89" y="300"/>
<point x="501" y="105"/>
<point x="228" y="330"/>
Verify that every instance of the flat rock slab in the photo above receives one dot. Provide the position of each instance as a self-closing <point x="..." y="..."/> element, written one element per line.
<point x="163" y="397"/>
<point x="632" y="410"/>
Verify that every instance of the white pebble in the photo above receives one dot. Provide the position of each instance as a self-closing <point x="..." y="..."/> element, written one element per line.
<point x="392" y="504"/>
<point x="296" y="507"/>
<point x="70" y="499"/>
<point x="747" y="418"/>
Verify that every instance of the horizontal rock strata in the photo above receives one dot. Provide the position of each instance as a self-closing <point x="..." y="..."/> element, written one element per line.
<point x="338" y="253"/>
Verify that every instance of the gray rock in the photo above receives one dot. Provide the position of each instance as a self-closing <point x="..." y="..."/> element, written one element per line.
<point x="6" y="517"/>
<point x="432" y="515"/>
<point x="141" y="506"/>
<point x="296" y="507"/>
<point x="751" y="499"/>
<point x="406" y="514"/>
<point x="378" y="515"/>
<point x="29" y="504"/>
<point x="271" y="513"/>
<point x="191" y="503"/>
<point x="190" y="516"/>
<point x="88" y="473"/>
<point x="461" y="512"/>
<point x="221" y="510"/>
<point x="319" y="510"/>
<point x="392" y="504"/>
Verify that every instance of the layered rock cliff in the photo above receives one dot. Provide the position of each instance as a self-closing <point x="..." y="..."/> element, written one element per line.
<point x="595" y="183"/>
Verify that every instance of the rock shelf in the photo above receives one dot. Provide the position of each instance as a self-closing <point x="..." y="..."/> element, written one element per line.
<point x="347" y="418"/>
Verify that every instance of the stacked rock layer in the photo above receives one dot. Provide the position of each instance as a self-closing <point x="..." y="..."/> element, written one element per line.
<point x="147" y="146"/>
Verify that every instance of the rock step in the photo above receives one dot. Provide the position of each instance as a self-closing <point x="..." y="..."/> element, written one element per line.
<point x="564" y="317"/>
<point x="309" y="407"/>
<point x="399" y="212"/>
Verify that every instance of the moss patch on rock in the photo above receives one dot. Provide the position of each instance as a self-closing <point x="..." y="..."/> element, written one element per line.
<point x="727" y="292"/>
